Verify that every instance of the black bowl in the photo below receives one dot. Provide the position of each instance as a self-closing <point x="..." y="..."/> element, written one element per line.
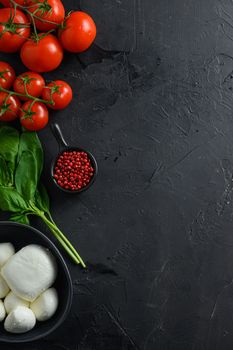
<point x="21" y="235"/>
<point x="93" y="163"/>
<point x="63" y="146"/>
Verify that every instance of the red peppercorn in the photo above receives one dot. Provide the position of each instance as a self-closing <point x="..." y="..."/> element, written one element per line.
<point x="73" y="170"/>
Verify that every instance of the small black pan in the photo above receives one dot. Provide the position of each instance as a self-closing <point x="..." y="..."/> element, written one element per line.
<point x="63" y="146"/>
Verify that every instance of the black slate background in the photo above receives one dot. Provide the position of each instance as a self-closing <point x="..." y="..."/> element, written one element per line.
<point x="153" y="101"/>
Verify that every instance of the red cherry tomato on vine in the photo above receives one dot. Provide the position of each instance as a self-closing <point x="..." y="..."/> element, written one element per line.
<point x="8" y="3"/>
<point x="42" y="56"/>
<point x="78" y="33"/>
<point x="29" y="82"/>
<point x="48" y="10"/>
<point x="34" y="116"/>
<point x="9" y="107"/>
<point x="7" y="75"/>
<point x="13" y="33"/>
<point x="59" y="92"/>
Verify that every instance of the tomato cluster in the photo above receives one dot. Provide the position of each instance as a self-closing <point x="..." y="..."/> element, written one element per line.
<point x="30" y="97"/>
<point x="26" y="25"/>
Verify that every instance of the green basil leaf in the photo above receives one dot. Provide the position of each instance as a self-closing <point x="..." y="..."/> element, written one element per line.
<point x="42" y="198"/>
<point x="29" y="141"/>
<point x="21" y="218"/>
<point x="4" y="172"/>
<point x="10" y="200"/>
<point x="9" y="144"/>
<point x="26" y="175"/>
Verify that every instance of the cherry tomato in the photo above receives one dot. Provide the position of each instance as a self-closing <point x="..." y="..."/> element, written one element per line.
<point x="9" y="107"/>
<point x="78" y="33"/>
<point x="11" y="36"/>
<point x="7" y="75"/>
<point x="59" y="92"/>
<point x="8" y="3"/>
<point x="34" y="116"/>
<point x="42" y="56"/>
<point x="29" y="82"/>
<point x="48" y="10"/>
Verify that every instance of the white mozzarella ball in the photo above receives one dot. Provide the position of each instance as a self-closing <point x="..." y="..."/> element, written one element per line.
<point x="45" y="306"/>
<point x="2" y="311"/>
<point x="20" y="320"/>
<point x="11" y="301"/>
<point x="6" y="251"/>
<point x="30" y="271"/>
<point x="4" y="289"/>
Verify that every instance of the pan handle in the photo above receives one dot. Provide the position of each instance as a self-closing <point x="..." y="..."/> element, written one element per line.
<point x="59" y="136"/>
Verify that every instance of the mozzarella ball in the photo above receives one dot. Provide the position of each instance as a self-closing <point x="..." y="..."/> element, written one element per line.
<point x="20" y="320"/>
<point x="4" y="289"/>
<point x="11" y="301"/>
<point x="30" y="272"/>
<point x="45" y="306"/>
<point x="2" y="311"/>
<point x="6" y="251"/>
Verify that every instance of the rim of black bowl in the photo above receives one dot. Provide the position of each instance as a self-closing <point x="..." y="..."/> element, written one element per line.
<point x="93" y="162"/>
<point x="70" y="297"/>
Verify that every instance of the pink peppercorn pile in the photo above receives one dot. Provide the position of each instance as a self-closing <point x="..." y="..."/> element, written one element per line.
<point x="73" y="170"/>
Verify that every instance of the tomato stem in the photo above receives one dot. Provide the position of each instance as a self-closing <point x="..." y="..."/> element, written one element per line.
<point x="2" y="74"/>
<point x="35" y="99"/>
<point x="30" y="106"/>
<point x="34" y="26"/>
<point x="33" y="14"/>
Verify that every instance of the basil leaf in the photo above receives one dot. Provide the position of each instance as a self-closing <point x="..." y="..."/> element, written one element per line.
<point x="10" y="200"/>
<point x="26" y="176"/>
<point x="21" y="218"/>
<point x="4" y="173"/>
<point x="9" y="143"/>
<point x="29" y="141"/>
<point x="42" y="198"/>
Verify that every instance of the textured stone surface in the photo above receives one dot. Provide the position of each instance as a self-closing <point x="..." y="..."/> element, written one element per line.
<point x="153" y="101"/>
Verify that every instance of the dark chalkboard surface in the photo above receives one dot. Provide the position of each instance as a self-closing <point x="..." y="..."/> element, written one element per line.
<point x="153" y="101"/>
